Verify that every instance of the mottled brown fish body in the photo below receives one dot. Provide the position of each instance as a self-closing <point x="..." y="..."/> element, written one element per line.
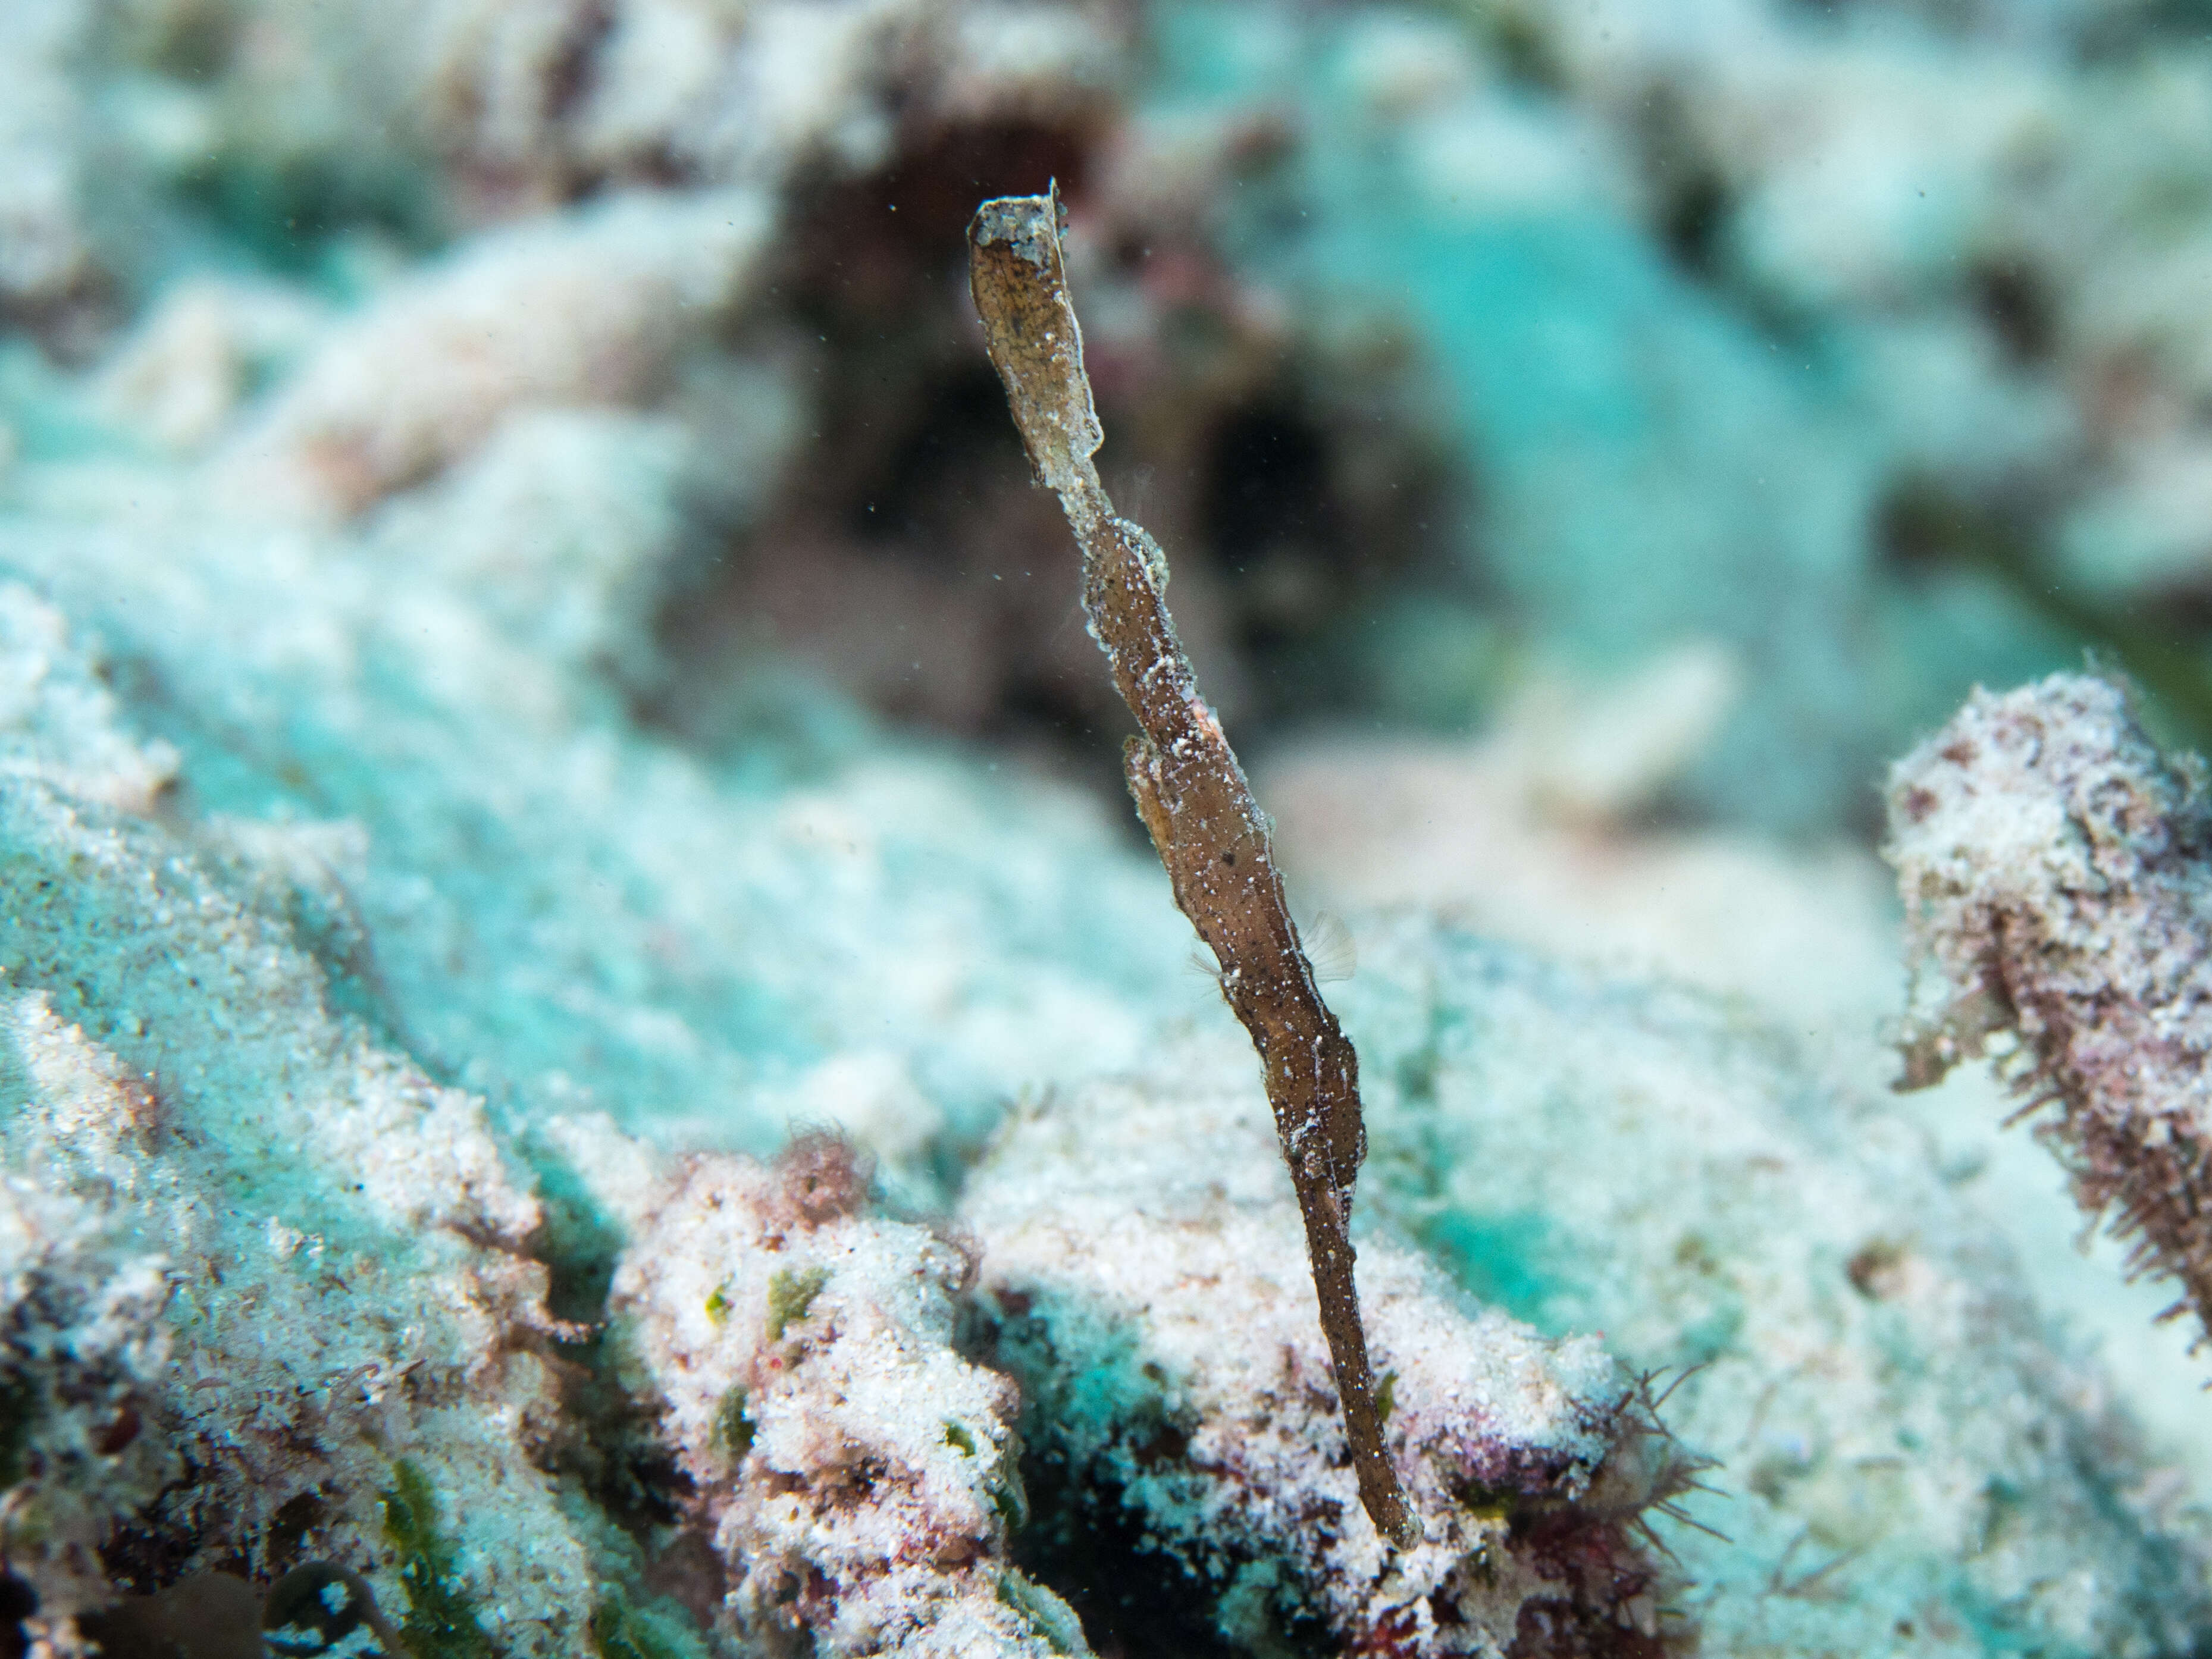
<point x="1192" y="795"/>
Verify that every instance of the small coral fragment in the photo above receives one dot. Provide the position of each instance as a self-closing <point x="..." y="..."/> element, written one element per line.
<point x="582" y="309"/>
<point x="824" y="1177"/>
<point x="2055" y="875"/>
<point x="859" y="1475"/>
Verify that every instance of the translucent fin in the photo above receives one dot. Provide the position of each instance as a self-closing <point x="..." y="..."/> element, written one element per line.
<point x="1329" y="948"/>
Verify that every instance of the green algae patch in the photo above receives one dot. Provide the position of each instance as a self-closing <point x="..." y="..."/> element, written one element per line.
<point x="621" y="1629"/>
<point x="790" y="1292"/>
<point x="1010" y="1499"/>
<point x="957" y="1438"/>
<point x="733" y="1430"/>
<point x="441" y="1621"/>
<point x="1487" y="1503"/>
<point x="718" y="1304"/>
<point x="1386" y="1397"/>
<point x="1044" y="1612"/>
<point x="18" y="1406"/>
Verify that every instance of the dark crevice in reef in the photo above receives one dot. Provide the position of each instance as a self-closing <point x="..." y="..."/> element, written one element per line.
<point x="1080" y="1538"/>
<point x="1271" y="522"/>
<point x="18" y="1602"/>
<point x="905" y="556"/>
<point x="1088" y="1548"/>
<point x="901" y="558"/>
<point x="1609" y="1587"/>
<point x="2017" y="304"/>
<point x="144" y="1558"/>
<point x="1688" y="193"/>
<point x="609" y="1444"/>
<point x="1607" y="1584"/>
<point x="609" y="1447"/>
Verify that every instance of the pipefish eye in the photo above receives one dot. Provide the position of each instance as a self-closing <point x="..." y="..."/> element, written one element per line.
<point x="323" y="1611"/>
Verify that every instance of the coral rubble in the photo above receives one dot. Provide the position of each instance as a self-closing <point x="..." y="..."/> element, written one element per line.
<point x="220" y="1158"/>
<point x="577" y="309"/>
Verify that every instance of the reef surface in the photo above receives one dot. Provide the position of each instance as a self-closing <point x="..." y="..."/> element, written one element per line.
<point x="577" y="1040"/>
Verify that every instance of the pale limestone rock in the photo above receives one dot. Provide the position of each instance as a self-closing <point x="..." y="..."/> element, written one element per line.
<point x="858" y="1475"/>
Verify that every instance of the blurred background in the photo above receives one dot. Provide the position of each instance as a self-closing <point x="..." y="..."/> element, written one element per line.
<point x="1777" y="369"/>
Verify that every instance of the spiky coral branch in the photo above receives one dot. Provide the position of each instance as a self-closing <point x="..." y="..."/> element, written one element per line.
<point x="1192" y="794"/>
<point x="2056" y="879"/>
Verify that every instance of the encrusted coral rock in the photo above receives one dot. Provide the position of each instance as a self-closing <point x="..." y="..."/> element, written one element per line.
<point x="81" y="1309"/>
<point x="1143" y="1253"/>
<point x="859" y="1475"/>
<point x="57" y="718"/>
<point x="262" y="1274"/>
<point x="1911" y="1460"/>
<point x="2053" y="865"/>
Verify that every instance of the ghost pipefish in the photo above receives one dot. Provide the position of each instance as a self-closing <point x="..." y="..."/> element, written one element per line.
<point x="1193" y="796"/>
